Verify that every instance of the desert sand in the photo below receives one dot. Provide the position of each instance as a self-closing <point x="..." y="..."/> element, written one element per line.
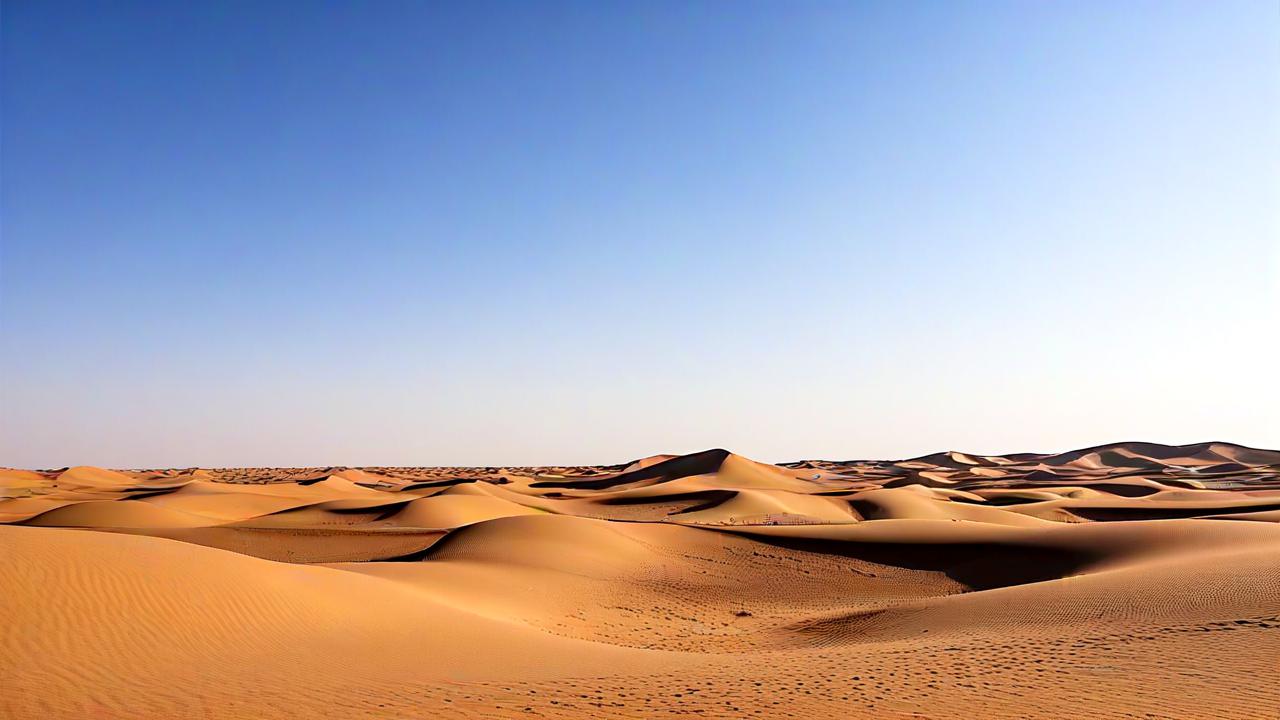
<point x="1133" y="580"/>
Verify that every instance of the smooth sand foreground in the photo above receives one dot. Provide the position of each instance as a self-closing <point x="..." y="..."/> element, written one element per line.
<point x="1128" y="581"/>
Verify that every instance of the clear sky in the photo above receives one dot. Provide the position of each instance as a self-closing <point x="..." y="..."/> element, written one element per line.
<point x="272" y="233"/>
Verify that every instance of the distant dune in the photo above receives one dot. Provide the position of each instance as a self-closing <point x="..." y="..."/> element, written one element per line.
<point x="1131" y="580"/>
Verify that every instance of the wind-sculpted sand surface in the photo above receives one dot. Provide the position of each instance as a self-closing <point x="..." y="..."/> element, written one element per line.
<point x="1128" y="581"/>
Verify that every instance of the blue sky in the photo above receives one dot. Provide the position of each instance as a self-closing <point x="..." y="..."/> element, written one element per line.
<point x="245" y="233"/>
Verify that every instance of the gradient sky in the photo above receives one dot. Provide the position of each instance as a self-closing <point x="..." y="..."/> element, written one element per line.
<point x="270" y="233"/>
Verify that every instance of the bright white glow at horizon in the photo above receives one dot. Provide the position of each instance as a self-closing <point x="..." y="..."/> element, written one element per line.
<point x="241" y="234"/>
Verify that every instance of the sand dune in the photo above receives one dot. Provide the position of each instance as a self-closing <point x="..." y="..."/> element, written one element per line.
<point x="452" y="510"/>
<point x="124" y="514"/>
<point x="1127" y="580"/>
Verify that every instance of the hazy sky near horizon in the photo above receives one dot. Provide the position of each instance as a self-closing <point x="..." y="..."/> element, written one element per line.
<point x="411" y="233"/>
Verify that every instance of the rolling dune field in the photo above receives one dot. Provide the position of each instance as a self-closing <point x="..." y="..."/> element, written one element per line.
<point x="1132" y="580"/>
